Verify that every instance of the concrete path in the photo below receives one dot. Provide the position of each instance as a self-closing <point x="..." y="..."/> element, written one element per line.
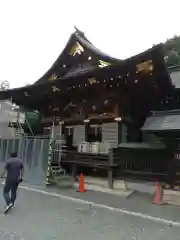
<point x="43" y="216"/>
<point x="140" y="203"/>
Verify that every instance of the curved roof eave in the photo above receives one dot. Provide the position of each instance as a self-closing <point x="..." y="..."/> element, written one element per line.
<point x="56" y="62"/>
<point x="153" y="53"/>
<point x="86" y="43"/>
<point x="79" y="37"/>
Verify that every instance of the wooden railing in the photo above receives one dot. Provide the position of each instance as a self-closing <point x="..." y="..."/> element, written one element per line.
<point x="139" y="164"/>
<point x="142" y="164"/>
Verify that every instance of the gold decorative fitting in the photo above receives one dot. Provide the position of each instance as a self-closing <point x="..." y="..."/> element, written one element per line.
<point x="92" y="80"/>
<point x="53" y="77"/>
<point x="145" y="67"/>
<point x="55" y="109"/>
<point x="103" y="64"/>
<point x="76" y="49"/>
<point x="26" y="94"/>
<point x="55" y="89"/>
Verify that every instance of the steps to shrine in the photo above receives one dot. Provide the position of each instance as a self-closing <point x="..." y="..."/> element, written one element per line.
<point x="59" y="176"/>
<point x="171" y="196"/>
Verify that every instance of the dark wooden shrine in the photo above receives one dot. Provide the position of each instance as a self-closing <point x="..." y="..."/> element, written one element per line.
<point x="85" y="87"/>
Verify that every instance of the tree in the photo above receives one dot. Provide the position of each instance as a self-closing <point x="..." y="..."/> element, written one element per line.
<point x="172" y="51"/>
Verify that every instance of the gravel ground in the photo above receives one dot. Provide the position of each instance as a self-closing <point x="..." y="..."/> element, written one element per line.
<point x="41" y="217"/>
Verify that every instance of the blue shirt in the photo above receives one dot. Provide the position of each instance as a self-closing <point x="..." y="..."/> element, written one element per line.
<point x="13" y="167"/>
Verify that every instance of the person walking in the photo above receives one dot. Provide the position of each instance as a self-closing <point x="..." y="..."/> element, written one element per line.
<point x="14" y="171"/>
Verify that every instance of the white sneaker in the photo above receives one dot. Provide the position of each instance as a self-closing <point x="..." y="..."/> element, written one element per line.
<point x="8" y="208"/>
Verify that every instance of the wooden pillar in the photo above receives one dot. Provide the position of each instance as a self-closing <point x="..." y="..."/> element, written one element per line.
<point x="60" y="128"/>
<point x="171" y="161"/>
<point x="74" y="171"/>
<point x="123" y="133"/>
<point x="110" y="169"/>
<point x="79" y="134"/>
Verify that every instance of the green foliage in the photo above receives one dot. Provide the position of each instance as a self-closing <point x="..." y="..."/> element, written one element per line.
<point x="172" y="51"/>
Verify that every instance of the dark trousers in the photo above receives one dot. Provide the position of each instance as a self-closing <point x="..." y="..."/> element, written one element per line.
<point x="10" y="186"/>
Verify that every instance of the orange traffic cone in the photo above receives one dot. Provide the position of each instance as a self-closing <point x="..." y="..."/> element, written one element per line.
<point x="81" y="184"/>
<point x="158" y="195"/>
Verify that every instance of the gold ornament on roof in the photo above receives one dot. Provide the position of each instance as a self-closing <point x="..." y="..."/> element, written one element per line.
<point x="92" y="80"/>
<point x="103" y="64"/>
<point x="55" y="109"/>
<point x="145" y="67"/>
<point x="26" y="94"/>
<point x="55" y="89"/>
<point x="76" y="49"/>
<point x="53" y="77"/>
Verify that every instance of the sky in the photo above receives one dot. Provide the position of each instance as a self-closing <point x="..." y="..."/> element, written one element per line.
<point x="34" y="32"/>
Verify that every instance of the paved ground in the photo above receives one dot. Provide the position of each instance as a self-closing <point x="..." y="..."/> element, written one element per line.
<point x="136" y="202"/>
<point x="39" y="216"/>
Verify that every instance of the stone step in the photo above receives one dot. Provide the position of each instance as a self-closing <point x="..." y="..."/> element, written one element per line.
<point x="118" y="184"/>
<point x="98" y="188"/>
<point x="171" y="197"/>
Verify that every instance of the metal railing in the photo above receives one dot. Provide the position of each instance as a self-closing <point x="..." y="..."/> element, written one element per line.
<point x="34" y="153"/>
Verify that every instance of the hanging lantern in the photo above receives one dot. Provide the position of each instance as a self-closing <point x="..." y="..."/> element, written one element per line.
<point x="94" y="107"/>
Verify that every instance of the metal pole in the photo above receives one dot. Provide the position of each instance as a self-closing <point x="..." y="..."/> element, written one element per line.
<point x="7" y="148"/>
<point x="61" y="142"/>
<point x="50" y="155"/>
<point x="60" y="129"/>
<point x="29" y="127"/>
<point x="40" y="157"/>
<point x="1" y="149"/>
